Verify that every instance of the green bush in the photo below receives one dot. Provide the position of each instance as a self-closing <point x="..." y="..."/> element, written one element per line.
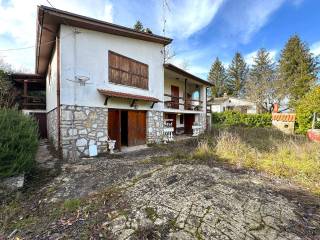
<point x="233" y="118"/>
<point x="309" y="104"/>
<point x="18" y="143"/>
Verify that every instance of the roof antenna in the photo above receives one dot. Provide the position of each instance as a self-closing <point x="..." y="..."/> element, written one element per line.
<point x="165" y="6"/>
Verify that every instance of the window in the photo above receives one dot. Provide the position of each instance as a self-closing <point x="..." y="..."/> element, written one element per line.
<point x="127" y="71"/>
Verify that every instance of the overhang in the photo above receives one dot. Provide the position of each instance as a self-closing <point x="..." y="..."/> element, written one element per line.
<point x="108" y="93"/>
<point x="186" y="74"/>
<point x="284" y="117"/>
<point x="49" y="21"/>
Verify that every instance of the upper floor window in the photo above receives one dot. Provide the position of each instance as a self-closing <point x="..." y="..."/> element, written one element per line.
<point x="127" y="71"/>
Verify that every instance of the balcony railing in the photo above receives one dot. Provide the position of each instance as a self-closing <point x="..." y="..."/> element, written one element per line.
<point x="174" y="102"/>
<point x="33" y="102"/>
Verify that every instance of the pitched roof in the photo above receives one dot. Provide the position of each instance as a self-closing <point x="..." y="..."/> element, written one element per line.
<point x="174" y="68"/>
<point x="284" y="117"/>
<point x="126" y="95"/>
<point x="48" y="23"/>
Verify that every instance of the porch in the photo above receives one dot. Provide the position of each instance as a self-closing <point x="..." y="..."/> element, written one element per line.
<point x="183" y="92"/>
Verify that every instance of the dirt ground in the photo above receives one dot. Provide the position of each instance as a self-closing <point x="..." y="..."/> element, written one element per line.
<point x="155" y="193"/>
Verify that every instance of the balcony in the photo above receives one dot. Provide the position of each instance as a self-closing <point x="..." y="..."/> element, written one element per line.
<point x="180" y="103"/>
<point x="33" y="102"/>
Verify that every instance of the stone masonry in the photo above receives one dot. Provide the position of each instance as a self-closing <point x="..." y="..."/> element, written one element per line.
<point x="203" y="121"/>
<point x="154" y="126"/>
<point x="82" y="126"/>
<point x="52" y="127"/>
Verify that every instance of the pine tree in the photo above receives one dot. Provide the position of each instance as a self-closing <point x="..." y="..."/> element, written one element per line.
<point x="298" y="69"/>
<point x="259" y="86"/>
<point x="237" y="74"/>
<point x="217" y="76"/>
<point x="138" y="26"/>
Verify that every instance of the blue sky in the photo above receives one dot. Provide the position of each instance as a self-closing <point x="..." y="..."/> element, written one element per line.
<point x="202" y="30"/>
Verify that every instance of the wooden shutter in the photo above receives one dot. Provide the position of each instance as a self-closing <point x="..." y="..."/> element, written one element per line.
<point x="127" y="71"/>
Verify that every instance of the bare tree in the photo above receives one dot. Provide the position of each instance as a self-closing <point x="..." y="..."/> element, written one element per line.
<point x="8" y="92"/>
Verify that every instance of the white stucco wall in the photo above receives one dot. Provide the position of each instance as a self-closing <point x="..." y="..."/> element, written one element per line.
<point x="51" y="86"/>
<point x="86" y="53"/>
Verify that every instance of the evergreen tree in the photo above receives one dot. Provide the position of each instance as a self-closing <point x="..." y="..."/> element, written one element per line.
<point x="217" y="76"/>
<point x="138" y="26"/>
<point x="298" y="70"/>
<point x="237" y="74"/>
<point x="261" y="79"/>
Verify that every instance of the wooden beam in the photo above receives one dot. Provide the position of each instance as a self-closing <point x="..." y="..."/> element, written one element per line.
<point x="133" y="102"/>
<point x="106" y="101"/>
<point x="152" y="104"/>
<point x="25" y="91"/>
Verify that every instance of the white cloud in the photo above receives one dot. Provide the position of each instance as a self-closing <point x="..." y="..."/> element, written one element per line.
<point x="18" y="23"/>
<point x="247" y="17"/>
<point x="249" y="58"/>
<point x="315" y="48"/>
<point x="188" y="17"/>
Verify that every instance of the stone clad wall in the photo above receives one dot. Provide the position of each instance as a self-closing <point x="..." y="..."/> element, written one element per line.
<point x="90" y="126"/>
<point x="154" y="126"/>
<point x="52" y="127"/>
<point x="203" y="121"/>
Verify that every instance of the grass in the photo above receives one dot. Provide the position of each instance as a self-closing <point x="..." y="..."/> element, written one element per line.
<point x="71" y="205"/>
<point x="267" y="150"/>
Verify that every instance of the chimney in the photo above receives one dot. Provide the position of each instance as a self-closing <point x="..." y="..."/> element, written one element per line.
<point x="275" y="107"/>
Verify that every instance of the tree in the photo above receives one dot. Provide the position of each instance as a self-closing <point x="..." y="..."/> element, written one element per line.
<point x="185" y="65"/>
<point x="8" y="92"/>
<point x="237" y="74"/>
<point x="306" y="106"/>
<point x="217" y="76"/>
<point x="138" y="26"/>
<point x="298" y="69"/>
<point x="260" y="83"/>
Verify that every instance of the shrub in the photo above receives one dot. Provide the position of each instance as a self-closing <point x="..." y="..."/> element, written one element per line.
<point x="233" y="118"/>
<point x="18" y="143"/>
<point x="292" y="158"/>
<point x="309" y="104"/>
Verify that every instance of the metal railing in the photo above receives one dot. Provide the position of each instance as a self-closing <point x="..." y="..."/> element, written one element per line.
<point x="175" y="102"/>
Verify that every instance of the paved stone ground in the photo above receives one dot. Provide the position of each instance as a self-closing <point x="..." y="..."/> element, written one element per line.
<point x="161" y="200"/>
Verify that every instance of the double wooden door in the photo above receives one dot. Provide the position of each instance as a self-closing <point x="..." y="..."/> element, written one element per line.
<point x="127" y="129"/>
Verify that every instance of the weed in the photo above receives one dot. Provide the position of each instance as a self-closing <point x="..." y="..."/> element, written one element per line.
<point x="151" y="213"/>
<point x="71" y="205"/>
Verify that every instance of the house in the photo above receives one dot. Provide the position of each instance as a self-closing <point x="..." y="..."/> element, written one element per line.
<point x="226" y="103"/>
<point x="104" y="81"/>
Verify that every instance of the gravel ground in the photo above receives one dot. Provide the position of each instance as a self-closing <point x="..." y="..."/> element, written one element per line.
<point x="136" y="196"/>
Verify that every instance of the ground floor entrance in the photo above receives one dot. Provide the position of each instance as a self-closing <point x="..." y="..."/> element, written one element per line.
<point x="127" y="127"/>
<point x="182" y="123"/>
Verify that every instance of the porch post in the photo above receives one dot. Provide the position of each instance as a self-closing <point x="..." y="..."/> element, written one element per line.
<point x="185" y="94"/>
<point x="25" y="92"/>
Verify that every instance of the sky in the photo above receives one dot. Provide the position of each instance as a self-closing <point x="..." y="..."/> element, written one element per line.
<point x="201" y="30"/>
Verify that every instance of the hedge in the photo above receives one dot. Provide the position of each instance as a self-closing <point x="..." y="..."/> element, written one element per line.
<point x="233" y="118"/>
<point x="18" y="142"/>
<point x="306" y="106"/>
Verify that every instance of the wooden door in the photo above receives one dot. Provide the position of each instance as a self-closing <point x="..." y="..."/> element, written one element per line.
<point x="175" y="96"/>
<point x="41" y="118"/>
<point x="114" y="126"/>
<point x="136" y="128"/>
<point x="188" y="122"/>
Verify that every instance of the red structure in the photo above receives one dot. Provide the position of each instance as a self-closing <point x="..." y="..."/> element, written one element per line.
<point x="314" y="135"/>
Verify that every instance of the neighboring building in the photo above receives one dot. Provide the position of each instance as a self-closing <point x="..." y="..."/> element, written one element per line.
<point x="227" y="103"/>
<point x="107" y="81"/>
<point x="284" y="122"/>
